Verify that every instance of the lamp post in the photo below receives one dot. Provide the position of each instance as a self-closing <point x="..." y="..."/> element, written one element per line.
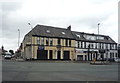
<point x="30" y="25"/>
<point x="98" y="28"/>
<point x="18" y="37"/>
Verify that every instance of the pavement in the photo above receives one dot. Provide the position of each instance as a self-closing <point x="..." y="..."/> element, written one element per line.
<point x="56" y="71"/>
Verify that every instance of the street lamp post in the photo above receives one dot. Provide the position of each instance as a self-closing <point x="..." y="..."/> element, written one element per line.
<point x="18" y="37"/>
<point x="98" y="28"/>
<point x="30" y="25"/>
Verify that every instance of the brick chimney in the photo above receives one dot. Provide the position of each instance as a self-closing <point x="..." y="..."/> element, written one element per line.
<point x="69" y="27"/>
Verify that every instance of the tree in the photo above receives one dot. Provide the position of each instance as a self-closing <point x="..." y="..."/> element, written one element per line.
<point x="11" y="51"/>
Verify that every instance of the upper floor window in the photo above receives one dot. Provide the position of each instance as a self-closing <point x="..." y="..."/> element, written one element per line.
<point x="42" y="41"/>
<point x="115" y="46"/>
<point x="69" y="42"/>
<point x="47" y="41"/>
<point x="78" y="44"/>
<point x="96" y="45"/>
<point x="63" y="33"/>
<point x="51" y="42"/>
<point x="84" y="44"/>
<point x="78" y="35"/>
<point x="81" y="44"/>
<point x="106" y="46"/>
<point x="66" y="42"/>
<point x="38" y="40"/>
<point x="59" y="41"/>
<point x="87" y="43"/>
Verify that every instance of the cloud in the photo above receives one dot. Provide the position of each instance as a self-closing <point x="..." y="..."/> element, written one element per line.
<point x="83" y="15"/>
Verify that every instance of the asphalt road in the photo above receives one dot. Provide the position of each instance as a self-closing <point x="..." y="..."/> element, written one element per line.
<point x="65" y="71"/>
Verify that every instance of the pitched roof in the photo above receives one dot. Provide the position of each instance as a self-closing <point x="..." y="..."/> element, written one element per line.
<point x="50" y="31"/>
<point x="56" y="32"/>
<point x="92" y="37"/>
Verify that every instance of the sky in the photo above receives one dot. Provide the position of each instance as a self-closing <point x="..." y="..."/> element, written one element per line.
<point x="82" y="15"/>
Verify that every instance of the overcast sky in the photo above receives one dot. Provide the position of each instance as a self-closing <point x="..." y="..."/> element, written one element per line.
<point x="82" y="15"/>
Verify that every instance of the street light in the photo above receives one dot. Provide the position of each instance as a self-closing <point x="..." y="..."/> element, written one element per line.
<point x="30" y="25"/>
<point x="18" y="37"/>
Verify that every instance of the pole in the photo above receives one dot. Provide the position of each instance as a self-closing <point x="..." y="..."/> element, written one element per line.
<point x="30" y="25"/>
<point x="98" y="28"/>
<point x="18" y="37"/>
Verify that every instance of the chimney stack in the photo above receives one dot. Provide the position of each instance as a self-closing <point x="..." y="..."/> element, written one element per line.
<point x="69" y="27"/>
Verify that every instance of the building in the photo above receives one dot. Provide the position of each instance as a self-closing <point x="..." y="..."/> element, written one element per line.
<point x="54" y="43"/>
<point x="49" y="43"/>
<point x="118" y="50"/>
<point x="90" y="46"/>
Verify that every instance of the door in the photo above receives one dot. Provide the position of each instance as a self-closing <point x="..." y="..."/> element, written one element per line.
<point x="66" y="55"/>
<point x="50" y="54"/>
<point x="58" y="55"/>
<point x="42" y="54"/>
<point x="80" y="57"/>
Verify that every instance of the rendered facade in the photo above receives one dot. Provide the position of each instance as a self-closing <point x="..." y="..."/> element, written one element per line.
<point x="54" y="43"/>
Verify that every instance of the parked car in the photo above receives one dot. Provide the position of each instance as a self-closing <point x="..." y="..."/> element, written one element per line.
<point x="7" y="56"/>
<point x="117" y="59"/>
<point x="111" y="59"/>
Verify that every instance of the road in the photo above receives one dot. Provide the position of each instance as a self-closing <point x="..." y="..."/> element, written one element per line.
<point x="57" y="71"/>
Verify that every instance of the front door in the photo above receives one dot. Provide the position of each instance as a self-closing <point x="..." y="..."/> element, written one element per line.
<point x="42" y="54"/>
<point x="80" y="57"/>
<point x="58" y="55"/>
<point x="50" y="54"/>
<point x="66" y="55"/>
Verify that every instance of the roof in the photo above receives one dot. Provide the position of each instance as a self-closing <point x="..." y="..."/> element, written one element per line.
<point x="50" y="31"/>
<point x="92" y="37"/>
<point x="56" y="32"/>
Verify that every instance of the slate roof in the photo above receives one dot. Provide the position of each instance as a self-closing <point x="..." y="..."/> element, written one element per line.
<point x="56" y="32"/>
<point x="49" y="31"/>
<point x="107" y="39"/>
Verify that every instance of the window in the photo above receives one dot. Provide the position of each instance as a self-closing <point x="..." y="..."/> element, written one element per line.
<point x="38" y="40"/>
<point x="69" y="42"/>
<point x="91" y="45"/>
<point x="66" y="42"/>
<point x="51" y="42"/>
<point x="96" y="45"/>
<point x="63" y="33"/>
<point x="47" y="41"/>
<point x="116" y="54"/>
<point x="99" y="45"/>
<point x="106" y="46"/>
<point x="59" y="42"/>
<point x="115" y="46"/>
<point x="42" y="41"/>
<point x="78" y="44"/>
<point x="89" y="37"/>
<point x="81" y="44"/>
<point x="84" y="44"/>
<point x="110" y="46"/>
<point x="102" y="46"/>
<point x="87" y="43"/>
<point x="48" y="31"/>
<point x="78" y="35"/>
